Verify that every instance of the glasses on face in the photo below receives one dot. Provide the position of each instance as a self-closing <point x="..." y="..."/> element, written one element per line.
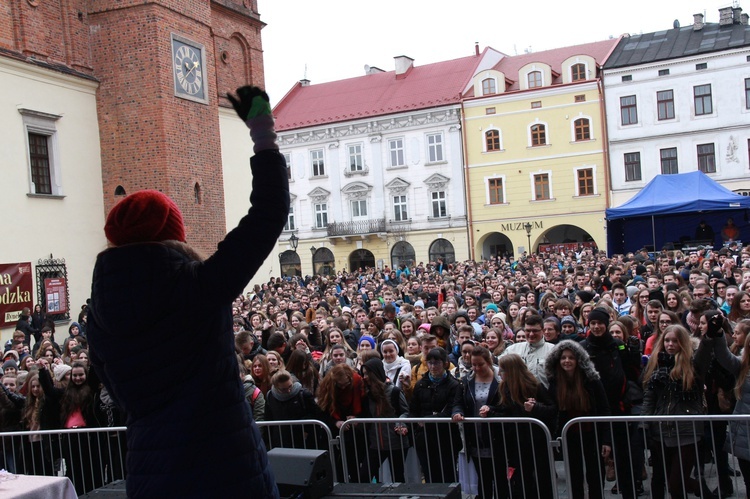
<point x="664" y="323"/>
<point x="533" y="331"/>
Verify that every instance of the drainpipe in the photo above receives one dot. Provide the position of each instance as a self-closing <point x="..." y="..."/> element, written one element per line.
<point x="467" y="188"/>
<point x="605" y="145"/>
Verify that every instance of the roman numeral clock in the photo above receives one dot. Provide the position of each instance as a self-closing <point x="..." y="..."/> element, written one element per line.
<point x="188" y="65"/>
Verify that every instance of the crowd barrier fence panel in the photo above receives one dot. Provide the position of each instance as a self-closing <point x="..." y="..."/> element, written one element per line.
<point x="511" y="456"/>
<point x="300" y="434"/>
<point x="677" y="441"/>
<point x="90" y="457"/>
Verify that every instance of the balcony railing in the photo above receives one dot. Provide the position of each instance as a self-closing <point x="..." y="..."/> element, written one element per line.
<point x="356" y="228"/>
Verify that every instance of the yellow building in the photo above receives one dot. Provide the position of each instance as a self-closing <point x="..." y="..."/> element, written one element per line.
<point x="535" y="143"/>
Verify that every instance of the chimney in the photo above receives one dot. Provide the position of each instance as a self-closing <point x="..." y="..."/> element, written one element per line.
<point x="372" y="70"/>
<point x="403" y="65"/>
<point x="736" y="14"/>
<point x="304" y="82"/>
<point x="476" y="48"/>
<point x="725" y="16"/>
<point x="743" y="19"/>
<point x="697" y="22"/>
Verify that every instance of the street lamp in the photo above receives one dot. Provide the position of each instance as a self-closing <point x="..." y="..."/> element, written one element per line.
<point x="528" y="228"/>
<point x="294" y="241"/>
<point x="313" y="249"/>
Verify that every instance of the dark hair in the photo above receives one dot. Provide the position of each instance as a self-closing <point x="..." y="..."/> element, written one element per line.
<point x="438" y="354"/>
<point x="534" y="320"/>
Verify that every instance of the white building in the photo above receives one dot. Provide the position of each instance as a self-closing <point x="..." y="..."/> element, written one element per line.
<point x="677" y="101"/>
<point x="376" y="168"/>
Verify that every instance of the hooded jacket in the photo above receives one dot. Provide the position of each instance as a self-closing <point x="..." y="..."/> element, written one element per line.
<point x="599" y="405"/>
<point x="190" y="431"/>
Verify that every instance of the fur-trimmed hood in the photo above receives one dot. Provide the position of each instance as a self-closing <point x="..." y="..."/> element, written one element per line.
<point x="582" y="356"/>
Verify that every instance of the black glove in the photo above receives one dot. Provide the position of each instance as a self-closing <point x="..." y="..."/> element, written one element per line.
<point x="246" y="104"/>
<point x="634" y="343"/>
<point x="715" y="324"/>
<point x="254" y="109"/>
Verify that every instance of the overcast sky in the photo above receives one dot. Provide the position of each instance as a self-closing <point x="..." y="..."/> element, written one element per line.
<point x="327" y="40"/>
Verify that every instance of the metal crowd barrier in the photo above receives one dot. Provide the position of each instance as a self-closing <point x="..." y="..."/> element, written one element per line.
<point x="654" y="456"/>
<point x="90" y="457"/>
<point x="494" y="457"/>
<point x="300" y="434"/>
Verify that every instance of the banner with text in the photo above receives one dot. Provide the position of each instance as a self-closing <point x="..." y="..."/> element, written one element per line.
<point x="16" y="291"/>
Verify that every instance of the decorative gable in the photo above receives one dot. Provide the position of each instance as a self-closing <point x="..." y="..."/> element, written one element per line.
<point x="319" y="194"/>
<point x="356" y="190"/>
<point x="437" y="182"/>
<point x="397" y="185"/>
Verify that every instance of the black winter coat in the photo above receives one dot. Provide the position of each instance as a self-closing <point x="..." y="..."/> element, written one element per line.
<point x="190" y="429"/>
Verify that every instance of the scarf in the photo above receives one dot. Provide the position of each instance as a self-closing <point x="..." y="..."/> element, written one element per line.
<point x="283" y="397"/>
<point x="389" y="366"/>
<point x="439" y="380"/>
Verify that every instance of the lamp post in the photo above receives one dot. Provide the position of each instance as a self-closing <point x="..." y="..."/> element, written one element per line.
<point x="528" y="228"/>
<point x="294" y="241"/>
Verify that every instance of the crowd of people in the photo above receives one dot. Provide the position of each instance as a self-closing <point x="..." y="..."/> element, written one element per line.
<point x="549" y="336"/>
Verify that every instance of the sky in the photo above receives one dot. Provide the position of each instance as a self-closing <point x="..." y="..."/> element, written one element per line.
<point x="328" y="40"/>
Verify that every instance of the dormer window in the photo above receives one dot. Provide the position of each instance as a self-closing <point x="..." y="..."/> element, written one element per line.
<point x="535" y="79"/>
<point x="489" y="86"/>
<point x="578" y="72"/>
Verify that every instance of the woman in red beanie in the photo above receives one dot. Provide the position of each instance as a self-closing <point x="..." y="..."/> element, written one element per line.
<point x="190" y="432"/>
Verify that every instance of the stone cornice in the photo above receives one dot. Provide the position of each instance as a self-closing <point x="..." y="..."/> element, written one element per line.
<point x="370" y="128"/>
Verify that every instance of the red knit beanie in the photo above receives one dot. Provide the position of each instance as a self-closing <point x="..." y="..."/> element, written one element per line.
<point x="144" y="216"/>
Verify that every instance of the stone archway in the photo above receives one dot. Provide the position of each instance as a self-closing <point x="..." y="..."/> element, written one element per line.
<point x="442" y="248"/>
<point x="361" y="258"/>
<point x="290" y="263"/>
<point x="495" y="245"/>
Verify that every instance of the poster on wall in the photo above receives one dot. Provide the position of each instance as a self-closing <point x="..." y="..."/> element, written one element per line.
<point x="54" y="291"/>
<point x="16" y="290"/>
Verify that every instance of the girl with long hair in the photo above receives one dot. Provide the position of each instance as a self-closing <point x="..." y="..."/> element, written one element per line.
<point x="260" y="370"/>
<point x="334" y="337"/>
<point x="386" y="441"/>
<point x="522" y="395"/>
<point x="275" y="361"/>
<point x="36" y="462"/>
<point x="301" y="366"/>
<point x="673" y="385"/>
<point x="479" y="395"/>
<point x="740" y="309"/>
<point x="666" y="319"/>
<point x="340" y="397"/>
<point x="577" y="390"/>
<point x="642" y="297"/>
<point x="673" y="302"/>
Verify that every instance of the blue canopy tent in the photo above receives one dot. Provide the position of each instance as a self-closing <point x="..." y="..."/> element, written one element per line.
<point x="669" y="209"/>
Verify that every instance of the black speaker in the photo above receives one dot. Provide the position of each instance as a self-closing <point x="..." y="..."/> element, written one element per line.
<point x="396" y="490"/>
<point x="302" y="472"/>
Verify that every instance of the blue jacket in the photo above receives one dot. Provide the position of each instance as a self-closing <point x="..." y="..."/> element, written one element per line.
<point x="160" y="334"/>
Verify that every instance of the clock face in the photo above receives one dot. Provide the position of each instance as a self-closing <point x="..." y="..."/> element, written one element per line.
<point x="189" y="76"/>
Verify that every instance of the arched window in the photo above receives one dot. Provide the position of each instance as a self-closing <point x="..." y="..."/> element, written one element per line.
<point x="120" y="191"/>
<point x="492" y="140"/>
<point x="578" y="72"/>
<point x="402" y="252"/>
<point x="489" y="86"/>
<point x="538" y="135"/>
<point x="442" y="248"/>
<point x="582" y="129"/>
<point x="535" y="79"/>
<point x="197" y="193"/>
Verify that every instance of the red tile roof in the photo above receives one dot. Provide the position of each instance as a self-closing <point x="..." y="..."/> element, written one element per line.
<point x="377" y="94"/>
<point x="554" y="58"/>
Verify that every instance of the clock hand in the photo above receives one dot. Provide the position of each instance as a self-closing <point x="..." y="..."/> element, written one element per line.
<point x="195" y="65"/>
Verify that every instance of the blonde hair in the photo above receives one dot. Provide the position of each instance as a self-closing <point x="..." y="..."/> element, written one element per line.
<point x="683" y="359"/>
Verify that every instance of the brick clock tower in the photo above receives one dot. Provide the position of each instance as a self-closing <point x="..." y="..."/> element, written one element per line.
<point x="164" y="67"/>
